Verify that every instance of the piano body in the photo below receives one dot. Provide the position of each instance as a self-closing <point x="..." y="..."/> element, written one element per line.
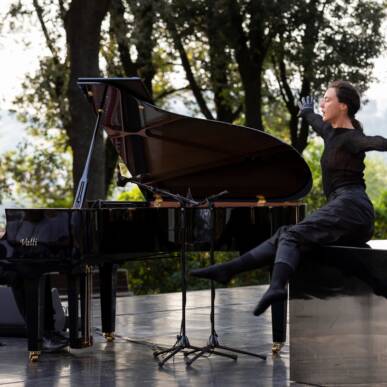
<point x="264" y="177"/>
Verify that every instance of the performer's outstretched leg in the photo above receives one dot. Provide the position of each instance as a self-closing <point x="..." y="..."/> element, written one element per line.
<point x="277" y="290"/>
<point x="259" y="256"/>
<point x="286" y="261"/>
<point x="342" y="218"/>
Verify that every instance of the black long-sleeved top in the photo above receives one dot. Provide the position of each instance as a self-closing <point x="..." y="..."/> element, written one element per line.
<point x="342" y="162"/>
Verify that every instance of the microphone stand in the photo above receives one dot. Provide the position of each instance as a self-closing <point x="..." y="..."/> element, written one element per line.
<point x="213" y="341"/>
<point x="122" y="181"/>
<point x="182" y="341"/>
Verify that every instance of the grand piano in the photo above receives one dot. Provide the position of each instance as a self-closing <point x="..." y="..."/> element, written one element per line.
<point x="264" y="177"/>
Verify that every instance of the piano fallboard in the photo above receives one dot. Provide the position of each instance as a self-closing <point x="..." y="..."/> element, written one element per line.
<point x="124" y="233"/>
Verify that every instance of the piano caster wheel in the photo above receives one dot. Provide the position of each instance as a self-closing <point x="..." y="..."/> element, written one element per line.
<point x="276" y="348"/>
<point x="109" y="336"/>
<point x="80" y="343"/>
<point x="88" y="343"/>
<point x="34" y="356"/>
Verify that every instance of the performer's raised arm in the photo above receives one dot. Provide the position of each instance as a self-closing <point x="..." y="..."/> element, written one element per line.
<point x="314" y="120"/>
<point x="362" y="143"/>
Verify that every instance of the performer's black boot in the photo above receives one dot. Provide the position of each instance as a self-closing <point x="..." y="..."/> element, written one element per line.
<point x="260" y="256"/>
<point x="277" y="290"/>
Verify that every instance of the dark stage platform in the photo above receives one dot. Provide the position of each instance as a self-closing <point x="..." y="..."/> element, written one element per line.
<point x="143" y="320"/>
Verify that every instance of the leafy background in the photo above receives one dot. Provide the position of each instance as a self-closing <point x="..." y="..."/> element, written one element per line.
<point x="239" y="61"/>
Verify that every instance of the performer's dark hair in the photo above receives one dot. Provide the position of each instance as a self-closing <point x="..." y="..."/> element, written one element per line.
<point x="347" y="93"/>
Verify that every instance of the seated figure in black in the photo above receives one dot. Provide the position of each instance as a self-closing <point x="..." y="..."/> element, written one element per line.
<point x="52" y="340"/>
<point x="346" y="219"/>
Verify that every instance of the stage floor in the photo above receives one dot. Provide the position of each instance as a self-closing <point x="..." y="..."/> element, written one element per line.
<point x="146" y="320"/>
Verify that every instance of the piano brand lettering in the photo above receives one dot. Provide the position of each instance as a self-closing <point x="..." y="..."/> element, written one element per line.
<point x="29" y="241"/>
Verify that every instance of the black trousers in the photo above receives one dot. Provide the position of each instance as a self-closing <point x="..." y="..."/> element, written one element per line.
<point x="347" y="219"/>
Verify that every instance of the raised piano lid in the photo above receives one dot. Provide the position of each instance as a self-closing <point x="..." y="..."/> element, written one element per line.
<point x="177" y="153"/>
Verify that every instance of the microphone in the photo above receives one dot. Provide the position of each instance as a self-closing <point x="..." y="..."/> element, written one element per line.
<point x="212" y="198"/>
<point x="216" y="196"/>
<point x="122" y="180"/>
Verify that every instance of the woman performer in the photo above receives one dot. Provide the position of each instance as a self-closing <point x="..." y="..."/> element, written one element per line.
<point x="346" y="219"/>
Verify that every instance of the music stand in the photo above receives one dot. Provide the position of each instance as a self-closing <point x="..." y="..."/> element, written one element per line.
<point x="182" y="341"/>
<point x="213" y="342"/>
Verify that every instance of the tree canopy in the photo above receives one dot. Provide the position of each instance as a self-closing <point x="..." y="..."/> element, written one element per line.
<point x="238" y="61"/>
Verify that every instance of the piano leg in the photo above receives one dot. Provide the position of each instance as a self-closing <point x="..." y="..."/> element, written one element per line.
<point x="279" y="310"/>
<point x="279" y="318"/>
<point x="73" y="305"/>
<point x="34" y="292"/>
<point x="78" y="288"/>
<point x="108" y="287"/>
<point x="86" y="290"/>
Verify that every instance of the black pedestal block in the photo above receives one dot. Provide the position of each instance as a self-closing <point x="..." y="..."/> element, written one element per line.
<point x="338" y="316"/>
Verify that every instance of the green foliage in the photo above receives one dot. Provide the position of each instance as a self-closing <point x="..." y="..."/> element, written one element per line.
<point x="275" y="117"/>
<point x="376" y="180"/>
<point x="133" y="195"/>
<point x="375" y="175"/>
<point x="163" y="275"/>
<point x="37" y="173"/>
<point x="316" y="198"/>
<point x="381" y="216"/>
<point x="299" y="29"/>
<point x="44" y="104"/>
<point x="312" y="38"/>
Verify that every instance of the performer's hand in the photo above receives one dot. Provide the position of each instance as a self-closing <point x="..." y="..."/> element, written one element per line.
<point x="306" y="103"/>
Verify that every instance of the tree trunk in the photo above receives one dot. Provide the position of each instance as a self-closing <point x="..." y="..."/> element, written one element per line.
<point x="219" y="61"/>
<point x="144" y="15"/>
<point x="120" y="29"/>
<point x="251" y="76"/>
<point x="249" y="63"/>
<point x="302" y="135"/>
<point x="83" y="27"/>
<point x="196" y="91"/>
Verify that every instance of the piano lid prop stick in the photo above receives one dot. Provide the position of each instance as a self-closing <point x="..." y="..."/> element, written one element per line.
<point x="83" y="182"/>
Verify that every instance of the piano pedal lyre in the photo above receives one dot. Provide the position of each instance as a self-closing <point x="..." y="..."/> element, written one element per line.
<point x="86" y="339"/>
<point x="109" y="336"/>
<point x="276" y="347"/>
<point x="34" y="356"/>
